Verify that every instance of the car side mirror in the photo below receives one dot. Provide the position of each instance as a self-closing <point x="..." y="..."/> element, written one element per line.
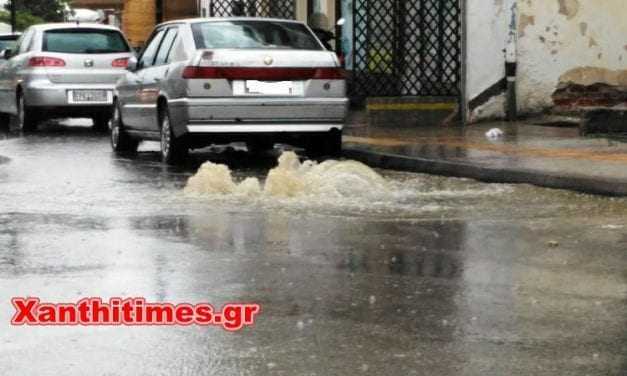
<point x="132" y="64"/>
<point x="6" y="54"/>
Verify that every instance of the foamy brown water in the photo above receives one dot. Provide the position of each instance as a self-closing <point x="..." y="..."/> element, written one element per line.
<point x="291" y="178"/>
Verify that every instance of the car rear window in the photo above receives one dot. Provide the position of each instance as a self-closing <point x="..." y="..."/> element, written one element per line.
<point x="8" y="43"/>
<point x="84" y="41"/>
<point x="254" y="34"/>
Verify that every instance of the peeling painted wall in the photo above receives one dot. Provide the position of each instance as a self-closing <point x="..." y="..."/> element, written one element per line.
<point x="558" y="44"/>
<point x="579" y="42"/>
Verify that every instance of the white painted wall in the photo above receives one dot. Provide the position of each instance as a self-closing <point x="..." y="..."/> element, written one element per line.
<point x="488" y="25"/>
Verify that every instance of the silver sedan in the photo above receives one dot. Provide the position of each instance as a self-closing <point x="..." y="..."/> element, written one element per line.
<point x="210" y="81"/>
<point x="63" y="70"/>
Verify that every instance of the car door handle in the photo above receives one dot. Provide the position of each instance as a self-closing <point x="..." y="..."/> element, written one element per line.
<point x="157" y="80"/>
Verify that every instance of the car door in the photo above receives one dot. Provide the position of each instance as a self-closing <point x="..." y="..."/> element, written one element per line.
<point x="10" y="72"/>
<point x="133" y="103"/>
<point x="152" y="78"/>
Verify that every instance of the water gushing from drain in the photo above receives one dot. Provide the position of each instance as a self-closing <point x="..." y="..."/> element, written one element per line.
<point x="291" y="178"/>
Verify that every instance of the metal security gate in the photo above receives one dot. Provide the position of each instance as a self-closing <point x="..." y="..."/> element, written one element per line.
<point x="406" y="48"/>
<point x="253" y="8"/>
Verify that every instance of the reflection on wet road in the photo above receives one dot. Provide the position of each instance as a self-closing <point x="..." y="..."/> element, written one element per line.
<point x="433" y="276"/>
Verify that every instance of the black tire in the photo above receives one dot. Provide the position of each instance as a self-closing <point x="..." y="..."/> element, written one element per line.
<point x="101" y="122"/>
<point x="259" y="146"/>
<point x="329" y="144"/>
<point x="5" y="121"/>
<point x="174" y="150"/>
<point x="26" y="117"/>
<point x="121" y="142"/>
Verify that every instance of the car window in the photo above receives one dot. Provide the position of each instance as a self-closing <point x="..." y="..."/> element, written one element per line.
<point x="254" y="34"/>
<point x="8" y="44"/>
<point x="166" y="46"/>
<point x="84" y="41"/>
<point x="148" y="56"/>
<point x="172" y="54"/>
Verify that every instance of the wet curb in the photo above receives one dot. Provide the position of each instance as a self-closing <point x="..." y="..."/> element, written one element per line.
<point x="584" y="184"/>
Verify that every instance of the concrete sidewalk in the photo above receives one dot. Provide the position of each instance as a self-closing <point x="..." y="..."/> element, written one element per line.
<point x="553" y="157"/>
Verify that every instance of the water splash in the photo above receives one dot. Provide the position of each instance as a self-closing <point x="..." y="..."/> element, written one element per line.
<point x="291" y="178"/>
<point x="340" y="188"/>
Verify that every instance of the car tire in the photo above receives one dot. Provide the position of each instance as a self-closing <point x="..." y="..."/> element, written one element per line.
<point x="259" y="146"/>
<point x="121" y="142"/>
<point x="101" y="122"/>
<point x="26" y="117"/>
<point x="329" y="144"/>
<point x="5" y="121"/>
<point x="174" y="150"/>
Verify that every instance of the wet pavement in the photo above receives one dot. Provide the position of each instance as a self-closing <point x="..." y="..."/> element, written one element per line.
<point x="525" y="147"/>
<point x="420" y="275"/>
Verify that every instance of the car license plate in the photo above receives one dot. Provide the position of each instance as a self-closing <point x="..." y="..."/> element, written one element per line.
<point x="89" y="96"/>
<point x="270" y="88"/>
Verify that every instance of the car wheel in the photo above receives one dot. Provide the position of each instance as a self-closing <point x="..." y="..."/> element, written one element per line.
<point x="333" y="144"/>
<point x="26" y="118"/>
<point x="329" y="144"/>
<point x="121" y="142"/>
<point x="259" y="146"/>
<point x="5" y="121"/>
<point x="173" y="149"/>
<point x="101" y="122"/>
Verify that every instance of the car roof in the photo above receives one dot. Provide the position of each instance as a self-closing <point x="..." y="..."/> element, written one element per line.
<point x="217" y="19"/>
<point x="70" y="25"/>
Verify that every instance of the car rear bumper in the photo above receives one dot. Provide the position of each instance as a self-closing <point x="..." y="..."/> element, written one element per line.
<point x="264" y="128"/>
<point x="257" y="115"/>
<point x="47" y="94"/>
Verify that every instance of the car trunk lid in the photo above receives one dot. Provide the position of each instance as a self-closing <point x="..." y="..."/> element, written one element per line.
<point x="87" y="68"/>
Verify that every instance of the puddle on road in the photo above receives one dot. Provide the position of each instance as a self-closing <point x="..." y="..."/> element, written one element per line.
<point x="335" y="184"/>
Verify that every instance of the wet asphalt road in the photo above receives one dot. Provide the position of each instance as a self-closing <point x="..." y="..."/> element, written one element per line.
<point x="434" y="277"/>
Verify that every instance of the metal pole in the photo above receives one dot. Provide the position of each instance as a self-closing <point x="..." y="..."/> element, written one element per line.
<point x="511" y="64"/>
<point x="463" y="71"/>
<point x="13" y="16"/>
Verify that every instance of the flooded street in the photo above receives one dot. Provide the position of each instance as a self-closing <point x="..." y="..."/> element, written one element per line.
<point x="357" y="271"/>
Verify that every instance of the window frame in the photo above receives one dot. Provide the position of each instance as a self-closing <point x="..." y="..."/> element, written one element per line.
<point x="156" y="33"/>
<point x="170" y="29"/>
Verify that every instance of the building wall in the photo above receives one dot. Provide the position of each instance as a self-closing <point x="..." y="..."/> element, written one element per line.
<point x="138" y="19"/>
<point x="562" y="48"/>
<point x="178" y="9"/>
<point x="564" y="42"/>
<point x="488" y="26"/>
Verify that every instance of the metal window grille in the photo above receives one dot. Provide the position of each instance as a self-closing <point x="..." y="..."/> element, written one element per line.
<point x="253" y="8"/>
<point x="406" y="48"/>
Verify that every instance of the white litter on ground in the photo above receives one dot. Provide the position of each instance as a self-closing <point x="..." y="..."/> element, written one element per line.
<point x="494" y="133"/>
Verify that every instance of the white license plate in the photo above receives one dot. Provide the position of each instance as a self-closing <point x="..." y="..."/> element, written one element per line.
<point x="270" y="88"/>
<point x="89" y="96"/>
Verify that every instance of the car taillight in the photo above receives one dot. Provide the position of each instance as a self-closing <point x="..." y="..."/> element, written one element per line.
<point x="330" y="74"/>
<point x="120" y="63"/>
<point x="45" y="61"/>
<point x="263" y="74"/>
